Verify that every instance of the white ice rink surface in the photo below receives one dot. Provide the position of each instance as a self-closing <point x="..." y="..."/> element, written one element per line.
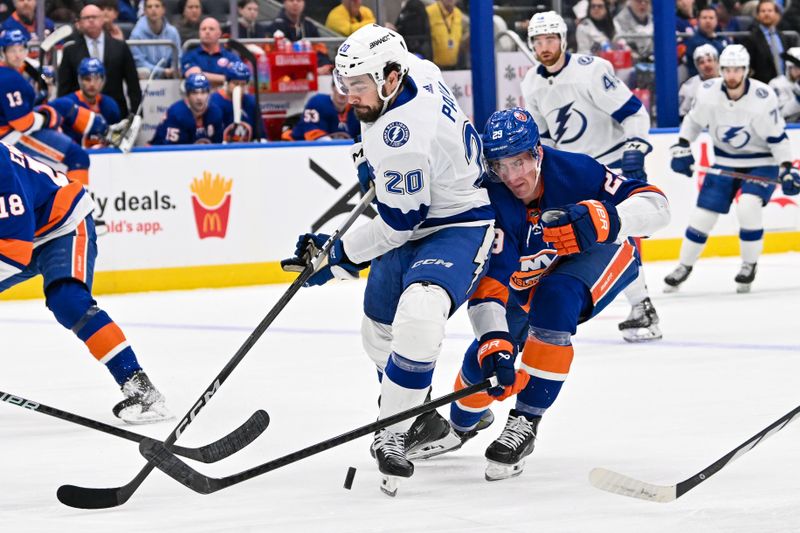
<point x="728" y="366"/>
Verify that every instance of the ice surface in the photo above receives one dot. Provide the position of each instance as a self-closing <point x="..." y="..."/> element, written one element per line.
<point x="728" y="366"/>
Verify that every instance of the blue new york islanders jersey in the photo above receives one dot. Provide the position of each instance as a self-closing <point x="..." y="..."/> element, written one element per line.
<point x="220" y="99"/>
<point x="181" y="127"/>
<point x="75" y="124"/>
<point x="37" y="204"/>
<point x="520" y="256"/>
<point x="320" y="118"/>
<point x="16" y="101"/>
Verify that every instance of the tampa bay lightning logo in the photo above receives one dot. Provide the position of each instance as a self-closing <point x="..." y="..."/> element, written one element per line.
<point x="569" y="124"/>
<point x="708" y="83"/>
<point x="585" y="60"/>
<point x="734" y="136"/>
<point x="396" y="134"/>
<point x="761" y="92"/>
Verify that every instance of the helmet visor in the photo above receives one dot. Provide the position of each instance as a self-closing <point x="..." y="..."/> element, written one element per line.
<point x="508" y="169"/>
<point x="354" y="85"/>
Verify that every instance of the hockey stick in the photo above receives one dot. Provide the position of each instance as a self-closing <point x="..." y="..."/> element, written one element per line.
<point x="47" y="44"/>
<point x="735" y="175"/>
<point x="91" y="498"/>
<point x="157" y="454"/>
<point x="55" y="37"/>
<point x="125" y="139"/>
<point x="237" y="104"/>
<point x="248" y="56"/>
<point x="210" y="453"/>
<point x="610" y="481"/>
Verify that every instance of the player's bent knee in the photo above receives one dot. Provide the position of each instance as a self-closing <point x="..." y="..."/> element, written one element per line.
<point x="419" y="323"/>
<point x="69" y="300"/>
<point x="703" y="220"/>
<point x="377" y="341"/>
<point x="749" y="211"/>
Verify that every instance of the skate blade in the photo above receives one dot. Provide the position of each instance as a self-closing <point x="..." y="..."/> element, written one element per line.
<point x="448" y="443"/>
<point x="390" y="484"/>
<point x="743" y="288"/>
<point x="135" y="416"/>
<point x="641" y="335"/>
<point x="498" y="471"/>
<point x="669" y="289"/>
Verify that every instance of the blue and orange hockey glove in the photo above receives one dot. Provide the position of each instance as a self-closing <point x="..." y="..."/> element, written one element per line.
<point x="575" y="228"/>
<point x="496" y="357"/>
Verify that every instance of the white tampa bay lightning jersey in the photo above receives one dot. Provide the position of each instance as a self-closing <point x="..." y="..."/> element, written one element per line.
<point x="425" y="156"/>
<point x="788" y="97"/>
<point x="747" y="132"/>
<point x="585" y="108"/>
<point x="687" y="94"/>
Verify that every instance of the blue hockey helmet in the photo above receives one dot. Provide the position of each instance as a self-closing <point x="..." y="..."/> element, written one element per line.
<point x="12" y="37"/>
<point x="237" y="70"/>
<point x="196" y="82"/>
<point x="508" y="133"/>
<point x="91" y="66"/>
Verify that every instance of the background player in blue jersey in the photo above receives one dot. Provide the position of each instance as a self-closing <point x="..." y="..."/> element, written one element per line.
<point x="326" y="116"/>
<point x="46" y="229"/>
<point x="87" y="113"/>
<point x="193" y="120"/>
<point x="33" y="129"/>
<point x="563" y="251"/>
<point x="237" y="74"/>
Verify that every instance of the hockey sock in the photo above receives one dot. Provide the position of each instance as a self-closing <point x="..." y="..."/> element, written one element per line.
<point x="75" y="309"/>
<point x="751" y="244"/>
<point x="692" y="246"/>
<point x="749" y="211"/>
<point x="637" y="290"/>
<point x="405" y="384"/>
<point x="548" y="365"/>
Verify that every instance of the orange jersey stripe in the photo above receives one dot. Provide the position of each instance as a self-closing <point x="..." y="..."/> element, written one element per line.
<point x="16" y="250"/>
<point x="550" y="358"/>
<point x="82" y="119"/>
<point x="62" y="203"/>
<point x="490" y="288"/>
<point x="79" y="252"/>
<point x="22" y="123"/>
<point x="648" y="188"/>
<point x="313" y="135"/>
<point x="81" y="175"/>
<point x="619" y="263"/>
<point x="105" y="340"/>
<point x="43" y="149"/>
<point x="475" y="402"/>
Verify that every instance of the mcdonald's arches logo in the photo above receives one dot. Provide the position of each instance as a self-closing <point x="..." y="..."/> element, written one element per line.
<point x="211" y="202"/>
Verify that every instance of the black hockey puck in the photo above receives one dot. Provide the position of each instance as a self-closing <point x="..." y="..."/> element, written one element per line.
<point x="348" y="481"/>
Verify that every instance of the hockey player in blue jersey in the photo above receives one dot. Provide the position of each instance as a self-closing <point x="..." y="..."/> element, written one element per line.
<point x="429" y="245"/>
<point x="237" y="74"/>
<point x="87" y="113"/>
<point x="46" y="229"/>
<point x="563" y="251"/>
<point x="33" y="129"/>
<point x="193" y="120"/>
<point x="326" y="116"/>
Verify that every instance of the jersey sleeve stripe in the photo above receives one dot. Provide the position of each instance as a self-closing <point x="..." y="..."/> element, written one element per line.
<point x="490" y="289"/>
<point x="628" y="108"/>
<point x="400" y="220"/>
<point x="647" y="188"/>
<point x="82" y="118"/>
<point x="775" y="140"/>
<point x="16" y="251"/>
<point x="63" y="203"/>
<point x="313" y="135"/>
<point x="22" y="123"/>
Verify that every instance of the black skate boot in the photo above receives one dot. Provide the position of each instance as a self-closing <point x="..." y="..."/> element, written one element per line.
<point x="507" y="454"/>
<point x="674" y="279"/>
<point x="450" y="440"/>
<point x="745" y="277"/>
<point x="426" y="429"/>
<point x="389" y="450"/>
<point x="641" y="324"/>
<point x="143" y="403"/>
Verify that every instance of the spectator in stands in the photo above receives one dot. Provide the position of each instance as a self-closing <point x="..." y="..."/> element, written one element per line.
<point x="727" y="11"/>
<point x="791" y="17"/>
<point x="192" y="120"/>
<point x="705" y="34"/>
<point x="236" y="75"/>
<point x="684" y="16"/>
<point x="596" y="30"/>
<point x="154" y="25"/>
<point x="349" y="16"/>
<point x="325" y="117"/>
<point x="110" y="15"/>
<point x="24" y="18"/>
<point x="248" y="15"/>
<point x="788" y="87"/>
<point x="209" y="58"/>
<point x="128" y="10"/>
<point x="63" y="11"/>
<point x="6" y="8"/>
<point x="413" y="24"/>
<point x="636" y="19"/>
<point x="295" y="26"/>
<point x="446" y="32"/>
<point x="189" y="24"/>
<point x="706" y="62"/>
<point x="115" y="55"/>
<point x="765" y="45"/>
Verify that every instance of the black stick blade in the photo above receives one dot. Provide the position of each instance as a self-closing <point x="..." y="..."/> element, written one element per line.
<point x="233" y="442"/>
<point x="159" y="456"/>
<point x="88" y="498"/>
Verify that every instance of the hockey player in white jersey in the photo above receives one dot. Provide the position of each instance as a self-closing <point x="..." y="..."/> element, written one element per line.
<point x="787" y="86"/>
<point x="580" y="106"/>
<point x="749" y="136"/>
<point x="706" y="60"/>
<point x="430" y="243"/>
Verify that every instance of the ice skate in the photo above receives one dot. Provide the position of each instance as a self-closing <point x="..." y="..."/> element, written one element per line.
<point x="143" y="403"/>
<point x="450" y="440"/>
<point x="745" y="277"/>
<point x="641" y="324"/>
<point x="427" y="429"/>
<point x="389" y="450"/>
<point x="675" y="278"/>
<point x="506" y="455"/>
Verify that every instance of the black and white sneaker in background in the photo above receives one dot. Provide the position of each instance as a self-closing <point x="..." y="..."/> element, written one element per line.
<point x="506" y="455"/>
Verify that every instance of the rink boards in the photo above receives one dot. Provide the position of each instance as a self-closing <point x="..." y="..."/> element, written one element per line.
<point x="215" y="216"/>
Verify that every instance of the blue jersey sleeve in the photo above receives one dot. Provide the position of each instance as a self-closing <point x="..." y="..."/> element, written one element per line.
<point x="316" y="119"/>
<point x="16" y="100"/>
<point x="17" y="218"/>
<point x="110" y="109"/>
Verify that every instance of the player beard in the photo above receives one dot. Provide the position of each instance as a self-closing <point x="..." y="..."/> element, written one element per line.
<point x="368" y="114"/>
<point x="549" y="62"/>
<point x="734" y="87"/>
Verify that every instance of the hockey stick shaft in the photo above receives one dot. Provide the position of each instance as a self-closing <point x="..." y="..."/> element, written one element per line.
<point x="156" y="453"/>
<point x="210" y="453"/>
<point x="248" y="56"/>
<point x="87" y="498"/>
<point x="734" y="175"/>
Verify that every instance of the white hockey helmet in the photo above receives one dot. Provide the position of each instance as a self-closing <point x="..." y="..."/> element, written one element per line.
<point x="792" y="56"/>
<point x="547" y="23"/>
<point x="705" y="50"/>
<point x="367" y="51"/>
<point x="734" y="55"/>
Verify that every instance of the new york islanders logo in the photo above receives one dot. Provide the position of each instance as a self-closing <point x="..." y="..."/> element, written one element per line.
<point x="569" y="124"/>
<point x="396" y="134"/>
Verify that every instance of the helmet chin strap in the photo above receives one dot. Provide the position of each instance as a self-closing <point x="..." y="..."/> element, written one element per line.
<point x="388" y="98"/>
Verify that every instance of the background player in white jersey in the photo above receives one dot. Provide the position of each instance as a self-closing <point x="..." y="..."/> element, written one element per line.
<point x="580" y="106"/>
<point x="430" y="243"/>
<point x="749" y="136"/>
<point x="787" y="86"/>
<point x="706" y="60"/>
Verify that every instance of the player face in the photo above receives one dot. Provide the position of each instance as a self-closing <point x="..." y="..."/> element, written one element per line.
<point x="91" y="85"/>
<point x="547" y="48"/>
<point x="792" y="72"/>
<point x="708" y="67"/>
<point x="15" y="55"/>
<point x="520" y="173"/>
<point x="362" y="94"/>
<point x="198" y="101"/>
<point x="733" y="77"/>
